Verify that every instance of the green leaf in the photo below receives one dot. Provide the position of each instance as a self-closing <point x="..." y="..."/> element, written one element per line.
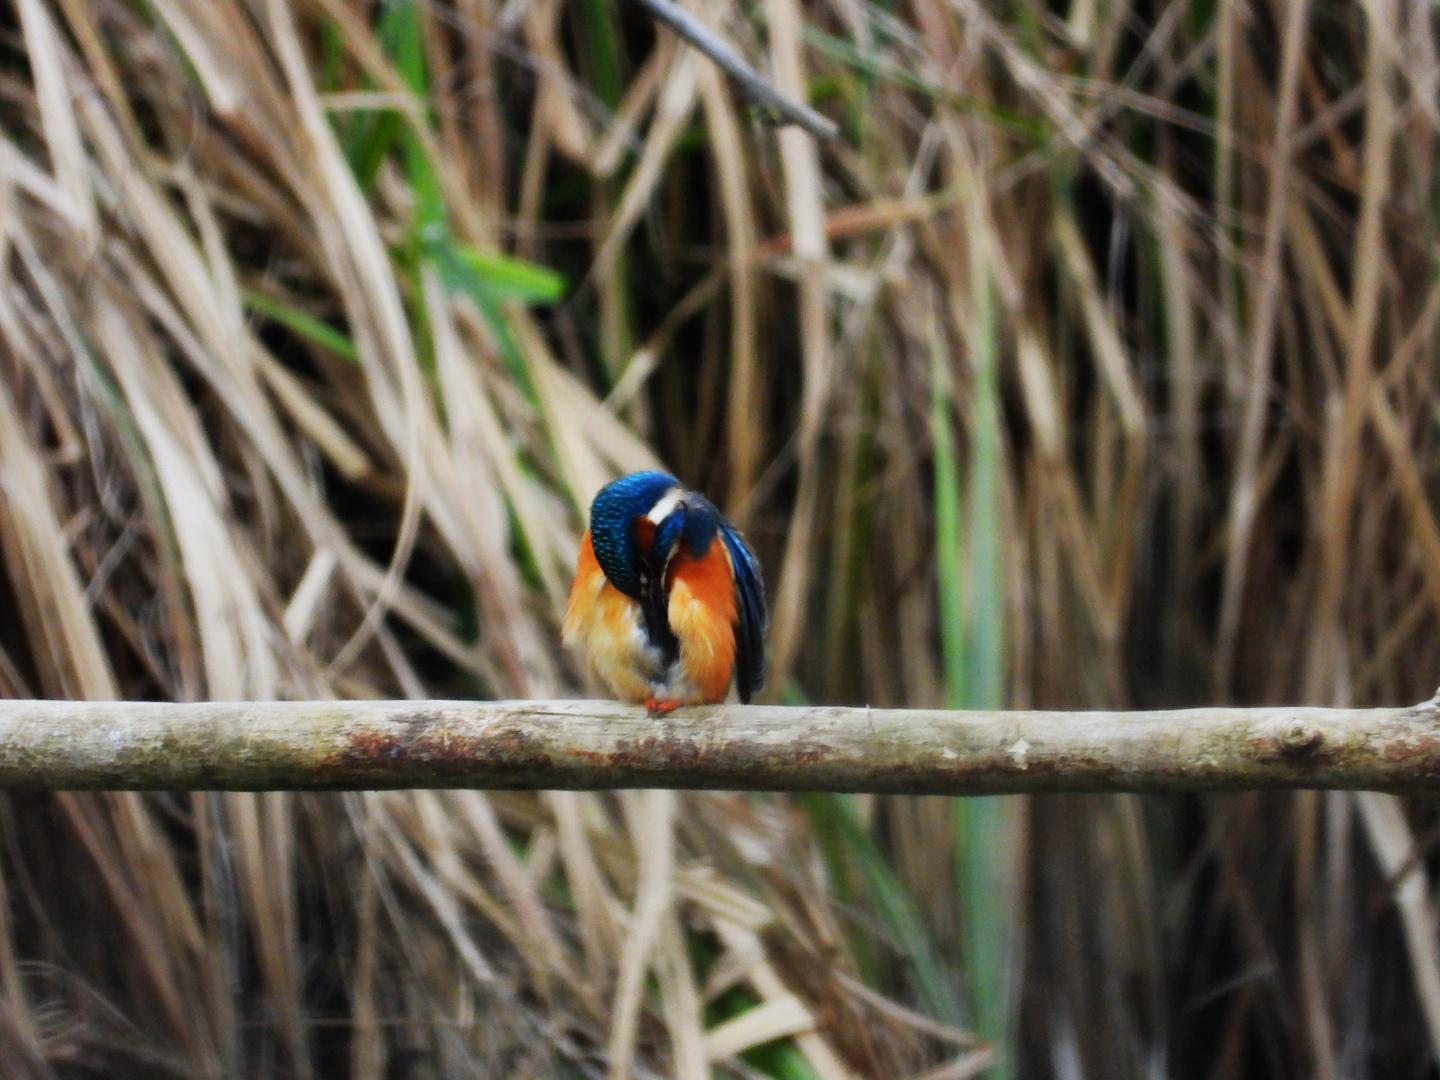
<point x="601" y="49"/>
<point x="509" y="278"/>
<point x="302" y="325"/>
<point x="460" y="277"/>
<point x="400" y="33"/>
<point x="369" y="135"/>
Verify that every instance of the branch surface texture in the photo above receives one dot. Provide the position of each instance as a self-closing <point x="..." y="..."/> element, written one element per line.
<point x="359" y="745"/>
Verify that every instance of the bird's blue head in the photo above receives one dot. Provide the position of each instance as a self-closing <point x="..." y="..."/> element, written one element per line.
<point x="613" y="530"/>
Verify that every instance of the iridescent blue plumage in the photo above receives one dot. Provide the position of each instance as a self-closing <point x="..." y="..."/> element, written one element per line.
<point x="612" y="526"/>
<point x="750" y="597"/>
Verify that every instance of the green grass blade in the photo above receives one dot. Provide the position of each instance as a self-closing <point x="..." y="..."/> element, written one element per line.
<point x="984" y="860"/>
<point x="972" y="644"/>
<point x="302" y="325"/>
<point x="602" y="50"/>
<point x="461" y="278"/>
<point x="835" y="814"/>
<point x="509" y="278"/>
<point x="487" y="279"/>
<point x="985" y="621"/>
<point x="948" y="550"/>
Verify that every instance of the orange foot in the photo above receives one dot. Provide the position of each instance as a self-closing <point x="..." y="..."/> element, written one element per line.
<point x="659" y="707"/>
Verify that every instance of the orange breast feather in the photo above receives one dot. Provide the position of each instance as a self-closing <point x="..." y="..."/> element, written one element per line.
<point x="702" y="613"/>
<point x="605" y="626"/>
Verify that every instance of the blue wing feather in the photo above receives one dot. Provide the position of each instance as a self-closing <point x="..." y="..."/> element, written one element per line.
<point x="750" y="603"/>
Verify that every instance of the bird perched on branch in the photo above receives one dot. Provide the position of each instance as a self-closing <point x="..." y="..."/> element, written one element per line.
<point x="668" y="602"/>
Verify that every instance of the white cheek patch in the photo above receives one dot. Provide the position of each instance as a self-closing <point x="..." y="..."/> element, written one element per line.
<point x="666" y="506"/>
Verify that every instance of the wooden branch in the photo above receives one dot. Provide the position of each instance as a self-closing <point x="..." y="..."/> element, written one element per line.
<point x="64" y="745"/>
<point x="752" y="85"/>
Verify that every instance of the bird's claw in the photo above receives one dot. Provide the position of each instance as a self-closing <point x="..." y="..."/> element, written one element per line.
<point x="660" y="707"/>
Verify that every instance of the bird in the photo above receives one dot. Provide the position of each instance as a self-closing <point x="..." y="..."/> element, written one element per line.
<point x="668" y="603"/>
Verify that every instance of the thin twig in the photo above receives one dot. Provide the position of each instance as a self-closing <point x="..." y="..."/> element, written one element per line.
<point x="363" y="745"/>
<point x="752" y="85"/>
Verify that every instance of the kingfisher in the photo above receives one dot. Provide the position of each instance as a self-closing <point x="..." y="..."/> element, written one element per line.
<point x="668" y="603"/>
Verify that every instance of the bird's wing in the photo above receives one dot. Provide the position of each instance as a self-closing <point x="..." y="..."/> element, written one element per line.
<point x="750" y="612"/>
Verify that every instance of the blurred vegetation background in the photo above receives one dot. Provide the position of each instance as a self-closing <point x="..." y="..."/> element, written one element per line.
<point x="1093" y="366"/>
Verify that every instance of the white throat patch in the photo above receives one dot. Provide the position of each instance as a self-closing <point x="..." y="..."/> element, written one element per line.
<point x="666" y="506"/>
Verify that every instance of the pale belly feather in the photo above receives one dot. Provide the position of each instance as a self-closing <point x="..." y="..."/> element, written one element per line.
<point x="607" y="628"/>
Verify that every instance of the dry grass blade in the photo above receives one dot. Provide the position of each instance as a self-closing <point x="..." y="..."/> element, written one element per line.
<point x="1394" y="847"/>
<point x="1262" y="330"/>
<point x="675" y="102"/>
<point x="52" y="603"/>
<point x="681" y="1005"/>
<point x="1341" y="480"/>
<point x="650" y="817"/>
<point x="774" y="1019"/>
<point x="62" y="131"/>
<point x="805" y="211"/>
<point x="740" y="235"/>
<point x="262" y="838"/>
